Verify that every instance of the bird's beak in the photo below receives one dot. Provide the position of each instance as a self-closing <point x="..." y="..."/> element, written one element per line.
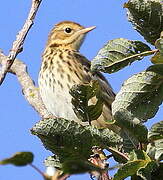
<point x="86" y="30"/>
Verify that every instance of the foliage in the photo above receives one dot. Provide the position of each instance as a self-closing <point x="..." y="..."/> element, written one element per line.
<point x="146" y="17"/>
<point x="81" y="95"/>
<point x="138" y="150"/>
<point x="56" y="137"/>
<point x="118" y="53"/>
<point x="19" y="159"/>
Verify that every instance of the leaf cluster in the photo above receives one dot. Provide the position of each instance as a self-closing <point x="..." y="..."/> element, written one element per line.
<point x="137" y="149"/>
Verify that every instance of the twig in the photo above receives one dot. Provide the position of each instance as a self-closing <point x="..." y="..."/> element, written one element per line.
<point x="37" y="169"/>
<point x="30" y="92"/>
<point x="18" y="43"/>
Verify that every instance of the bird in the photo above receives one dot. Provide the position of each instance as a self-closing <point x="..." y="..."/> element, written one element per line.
<point x="63" y="66"/>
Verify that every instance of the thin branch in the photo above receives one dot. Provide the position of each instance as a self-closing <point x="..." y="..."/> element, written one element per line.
<point x="38" y="170"/>
<point x="18" y="43"/>
<point x="30" y="92"/>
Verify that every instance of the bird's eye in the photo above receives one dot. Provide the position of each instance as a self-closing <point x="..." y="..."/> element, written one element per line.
<point x="68" y="30"/>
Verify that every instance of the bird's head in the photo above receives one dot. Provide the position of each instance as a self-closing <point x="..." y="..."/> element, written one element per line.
<point x="68" y="35"/>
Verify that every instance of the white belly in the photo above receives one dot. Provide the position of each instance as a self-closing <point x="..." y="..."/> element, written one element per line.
<point x="57" y="100"/>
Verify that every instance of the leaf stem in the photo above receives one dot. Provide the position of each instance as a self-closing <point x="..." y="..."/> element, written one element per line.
<point x="37" y="169"/>
<point x="146" y="53"/>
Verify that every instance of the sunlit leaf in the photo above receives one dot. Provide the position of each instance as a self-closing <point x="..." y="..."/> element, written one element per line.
<point x="146" y="17"/>
<point x="129" y="169"/>
<point x="156" y="131"/>
<point x="159" y="149"/>
<point x="155" y="136"/>
<point x="118" y="53"/>
<point x="68" y="138"/>
<point x="139" y="164"/>
<point x="141" y="95"/>
<point x="19" y="159"/>
<point x="155" y="150"/>
<point x="53" y="161"/>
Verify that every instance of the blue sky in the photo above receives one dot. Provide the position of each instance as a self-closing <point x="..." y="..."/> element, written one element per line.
<point x="16" y="116"/>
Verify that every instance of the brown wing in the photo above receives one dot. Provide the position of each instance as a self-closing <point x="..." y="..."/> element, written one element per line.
<point x="107" y="92"/>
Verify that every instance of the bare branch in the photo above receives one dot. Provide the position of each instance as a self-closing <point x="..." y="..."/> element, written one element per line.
<point x="30" y="92"/>
<point x="18" y="43"/>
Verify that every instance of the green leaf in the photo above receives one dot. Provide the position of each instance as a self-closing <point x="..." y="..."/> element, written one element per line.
<point x="53" y="161"/>
<point x="158" y="173"/>
<point x="159" y="43"/>
<point x="138" y="154"/>
<point x="155" y="150"/>
<point x="141" y="95"/>
<point x="130" y="142"/>
<point x="118" y="53"/>
<point x="159" y="150"/>
<point x="151" y="150"/>
<point x="19" y="159"/>
<point x="145" y="172"/>
<point x="156" y="131"/>
<point x="129" y="169"/>
<point x="82" y="95"/>
<point x="133" y="131"/>
<point x="68" y="138"/>
<point x="158" y="57"/>
<point x="118" y="156"/>
<point x="146" y="17"/>
<point x="78" y="166"/>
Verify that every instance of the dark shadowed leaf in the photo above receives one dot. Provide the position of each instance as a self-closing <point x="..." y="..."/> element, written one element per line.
<point x="156" y="131"/>
<point x="118" y="53"/>
<point x="138" y="155"/>
<point x="82" y="95"/>
<point x="141" y="95"/>
<point x="78" y="166"/>
<point x="147" y="17"/>
<point x="118" y="156"/>
<point x="130" y="142"/>
<point x="19" y="159"/>
<point x="133" y="131"/>
<point x="146" y="172"/>
<point x="158" y="173"/>
<point x="68" y="138"/>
